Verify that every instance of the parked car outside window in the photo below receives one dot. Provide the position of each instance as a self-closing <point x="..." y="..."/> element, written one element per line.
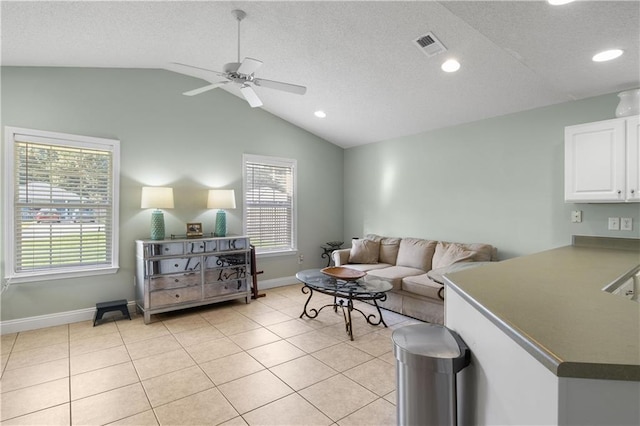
<point x="47" y="215"/>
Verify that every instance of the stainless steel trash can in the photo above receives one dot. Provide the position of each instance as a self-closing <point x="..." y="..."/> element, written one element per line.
<point x="428" y="356"/>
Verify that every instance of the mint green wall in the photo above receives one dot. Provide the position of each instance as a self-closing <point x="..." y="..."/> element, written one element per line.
<point x="498" y="181"/>
<point x="189" y="143"/>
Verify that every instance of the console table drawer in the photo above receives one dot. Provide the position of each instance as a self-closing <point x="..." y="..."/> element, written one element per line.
<point x="173" y="281"/>
<point x="218" y="289"/>
<point x="224" y="274"/>
<point x="174" y="296"/>
<point x="164" y="249"/>
<point x="177" y="264"/>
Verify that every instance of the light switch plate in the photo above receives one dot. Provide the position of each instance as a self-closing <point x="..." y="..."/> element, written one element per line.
<point x="614" y="224"/>
<point x="626" y="223"/>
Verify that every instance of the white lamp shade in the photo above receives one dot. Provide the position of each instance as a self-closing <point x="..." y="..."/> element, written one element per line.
<point x="154" y="197"/>
<point x="221" y="199"/>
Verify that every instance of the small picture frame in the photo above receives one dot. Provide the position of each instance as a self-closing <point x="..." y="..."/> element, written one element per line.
<point x="194" y="230"/>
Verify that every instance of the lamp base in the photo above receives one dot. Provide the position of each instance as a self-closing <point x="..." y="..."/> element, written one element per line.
<point x="221" y="224"/>
<point x="157" y="225"/>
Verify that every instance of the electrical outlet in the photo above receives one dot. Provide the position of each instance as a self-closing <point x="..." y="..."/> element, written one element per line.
<point x="614" y="224"/>
<point x="576" y="216"/>
<point x="300" y="258"/>
<point x="626" y="223"/>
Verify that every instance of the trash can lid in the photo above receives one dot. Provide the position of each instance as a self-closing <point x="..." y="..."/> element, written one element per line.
<point x="430" y="340"/>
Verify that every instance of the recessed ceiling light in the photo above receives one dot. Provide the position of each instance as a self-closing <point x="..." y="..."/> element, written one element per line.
<point x="450" y="66"/>
<point x="320" y="114"/>
<point x="559" y="2"/>
<point x="607" y="55"/>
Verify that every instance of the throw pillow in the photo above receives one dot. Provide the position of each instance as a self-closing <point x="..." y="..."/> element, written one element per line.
<point x="448" y="254"/>
<point x="389" y="250"/>
<point x="364" y="251"/>
<point x="415" y="253"/>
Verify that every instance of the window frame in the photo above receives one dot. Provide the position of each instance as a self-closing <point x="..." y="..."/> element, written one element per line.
<point x="10" y="241"/>
<point x="281" y="162"/>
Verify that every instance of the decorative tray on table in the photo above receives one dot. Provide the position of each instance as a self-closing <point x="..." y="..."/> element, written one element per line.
<point x="342" y="273"/>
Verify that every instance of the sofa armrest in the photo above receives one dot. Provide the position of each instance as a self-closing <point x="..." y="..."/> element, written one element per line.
<point x="340" y="257"/>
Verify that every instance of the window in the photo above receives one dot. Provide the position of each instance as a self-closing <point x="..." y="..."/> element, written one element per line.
<point x="61" y="205"/>
<point x="270" y="203"/>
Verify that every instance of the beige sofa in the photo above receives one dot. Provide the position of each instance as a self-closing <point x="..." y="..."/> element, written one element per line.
<point x="415" y="267"/>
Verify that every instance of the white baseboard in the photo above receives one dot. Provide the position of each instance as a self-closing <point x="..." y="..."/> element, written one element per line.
<point x="51" y="320"/>
<point x="277" y="282"/>
<point x="60" y="318"/>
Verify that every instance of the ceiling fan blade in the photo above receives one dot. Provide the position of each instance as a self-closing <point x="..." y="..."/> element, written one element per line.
<point x="204" y="88"/>
<point x="278" y="85"/>
<point x="192" y="71"/>
<point x="249" y="66"/>
<point x="251" y="96"/>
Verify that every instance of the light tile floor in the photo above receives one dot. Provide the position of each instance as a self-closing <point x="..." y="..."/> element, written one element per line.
<point x="230" y="364"/>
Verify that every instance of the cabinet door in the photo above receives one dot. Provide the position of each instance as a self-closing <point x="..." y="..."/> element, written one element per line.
<point x="633" y="158"/>
<point x="595" y="162"/>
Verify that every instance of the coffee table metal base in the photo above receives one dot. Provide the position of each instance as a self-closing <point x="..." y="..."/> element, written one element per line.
<point x="339" y="302"/>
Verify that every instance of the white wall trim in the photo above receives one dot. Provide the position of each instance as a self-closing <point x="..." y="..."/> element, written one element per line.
<point x="51" y="320"/>
<point x="277" y="282"/>
<point x="87" y="314"/>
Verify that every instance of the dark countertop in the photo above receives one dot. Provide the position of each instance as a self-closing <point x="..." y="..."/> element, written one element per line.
<point x="552" y="304"/>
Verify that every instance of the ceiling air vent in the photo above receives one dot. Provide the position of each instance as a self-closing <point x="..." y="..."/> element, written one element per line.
<point x="429" y="44"/>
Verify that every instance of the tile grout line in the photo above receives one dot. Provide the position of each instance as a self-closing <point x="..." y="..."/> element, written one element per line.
<point x="139" y="380"/>
<point x="326" y="330"/>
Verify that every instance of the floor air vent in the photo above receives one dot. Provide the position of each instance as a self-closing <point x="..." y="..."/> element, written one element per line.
<point x="429" y="44"/>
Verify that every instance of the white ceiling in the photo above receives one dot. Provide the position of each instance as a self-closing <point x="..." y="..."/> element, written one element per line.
<point x="356" y="58"/>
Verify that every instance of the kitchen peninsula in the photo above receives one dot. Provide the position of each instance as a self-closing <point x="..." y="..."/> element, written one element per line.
<point x="548" y="345"/>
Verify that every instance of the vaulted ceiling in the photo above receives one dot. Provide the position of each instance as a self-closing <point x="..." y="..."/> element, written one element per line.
<point x="358" y="59"/>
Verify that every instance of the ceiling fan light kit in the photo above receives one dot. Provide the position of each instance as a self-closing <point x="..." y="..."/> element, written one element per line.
<point x="239" y="73"/>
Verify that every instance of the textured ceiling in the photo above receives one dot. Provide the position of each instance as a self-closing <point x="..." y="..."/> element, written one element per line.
<point x="356" y="58"/>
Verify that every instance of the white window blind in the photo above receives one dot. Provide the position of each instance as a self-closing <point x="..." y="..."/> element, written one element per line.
<point x="269" y="203"/>
<point x="63" y="198"/>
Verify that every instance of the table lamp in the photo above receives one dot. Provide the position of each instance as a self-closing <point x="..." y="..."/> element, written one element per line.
<point x="157" y="198"/>
<point x="221" y="199"/>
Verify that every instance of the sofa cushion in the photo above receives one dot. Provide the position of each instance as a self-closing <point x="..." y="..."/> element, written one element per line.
<point x="424" y="286"/>
<point x="449" y="253"/>
<point x="416" y="253"/>
<point x="364" y="251"/>
<point x="394" y="274"/>
<point x="366" y="267"/>
<point x="389" y="250"/>
<point x="388" y="247"/>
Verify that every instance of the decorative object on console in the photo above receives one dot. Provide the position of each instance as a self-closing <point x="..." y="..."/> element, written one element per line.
<point x="194" y="230"/>
<point x="157" y="198"/>
<point x="629" y="103"/>
<point x="221" y="199"/>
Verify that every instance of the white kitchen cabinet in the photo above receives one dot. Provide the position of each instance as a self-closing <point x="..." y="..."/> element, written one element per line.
<point x="633" y="158"/>
<point x="602" y="161"/>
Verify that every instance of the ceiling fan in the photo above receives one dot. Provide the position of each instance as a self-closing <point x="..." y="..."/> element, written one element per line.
<point x="238" y="73"/>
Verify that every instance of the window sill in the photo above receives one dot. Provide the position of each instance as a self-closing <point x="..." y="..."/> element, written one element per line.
<point x="50" y="276"/>
<point x="276" y="253"/>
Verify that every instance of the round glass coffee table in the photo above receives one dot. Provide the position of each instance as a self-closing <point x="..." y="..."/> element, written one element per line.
<point x="361" y="289"/>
